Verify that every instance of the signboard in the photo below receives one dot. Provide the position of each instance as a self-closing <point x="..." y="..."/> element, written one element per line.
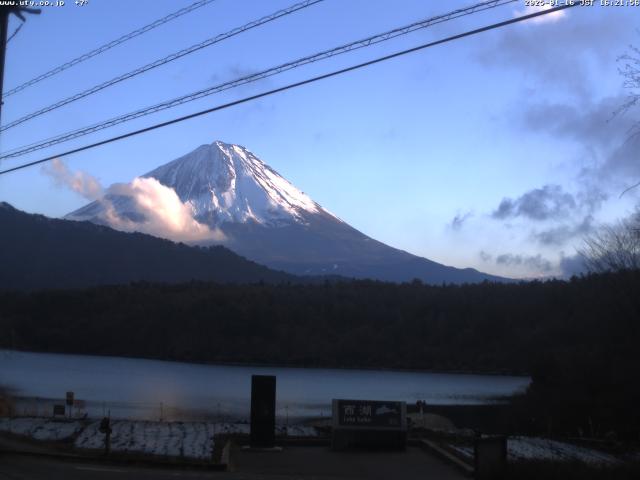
<point x="70" y="398"/>
<point x="369" y="414"/>
<point x="58" y="410"/>
<point x="370" y="424"/>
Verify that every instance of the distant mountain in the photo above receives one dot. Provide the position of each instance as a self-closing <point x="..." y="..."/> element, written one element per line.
<point x="41" y="252"/>
<point x="267" y="219"/>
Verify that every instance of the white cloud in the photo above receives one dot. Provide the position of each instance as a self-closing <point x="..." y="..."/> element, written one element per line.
<point x="548" y="18"/>
<point x="152" y="208"/>
<point x="161" y="211"/>
<point x="80" y="182"/>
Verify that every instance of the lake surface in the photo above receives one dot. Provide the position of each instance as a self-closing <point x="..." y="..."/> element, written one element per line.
<point x="153" y="389"/>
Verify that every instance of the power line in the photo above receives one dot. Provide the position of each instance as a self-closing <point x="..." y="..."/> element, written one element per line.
<point x="366" y="42"/>
<point x="169" y="58"/>
<point x="295" y="85"/>
<point x="108" y="46"/>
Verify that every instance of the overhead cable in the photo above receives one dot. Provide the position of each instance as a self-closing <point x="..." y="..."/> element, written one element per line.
<point x="294" y="85"/>
<point x="363" y="43"/>
<point x="169" y="58"/>
<point x="107" y="46"/>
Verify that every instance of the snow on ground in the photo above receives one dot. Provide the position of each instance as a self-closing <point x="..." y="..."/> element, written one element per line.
<point x="531" y="448"/>
<point x="41" y="428"/>
<point x="536" y="448"/>
<point x="176" y="439"/>
<point x="193" y="440"/>
<point x="296" y="431"/>
<point x="464" y="450"/>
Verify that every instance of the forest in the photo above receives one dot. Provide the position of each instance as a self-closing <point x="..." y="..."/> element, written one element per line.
<point x="578" y="339"/>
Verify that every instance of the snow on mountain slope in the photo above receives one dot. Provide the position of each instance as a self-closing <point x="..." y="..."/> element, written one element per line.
<point x="255" y="212"/>
<point x="227" y="183"/>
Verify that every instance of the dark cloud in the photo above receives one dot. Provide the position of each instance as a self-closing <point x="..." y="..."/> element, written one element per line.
<point x="610" y="152"/>
<point x="231" y="72"/>
<point x="458" y="221"/>
<point x="538" y="49"/>
<point x="597" y="124"/>
<point x="234" y="72"/>
<point x="545" y="203"/>
<point x="533" y="262"/>
<point x="591" y="198"/>
<point x="564" y="216"/>
<point x="609" y="163"/>
<point x="561" y="234"/>
<point x="572" y="265"/>
<point x="484" y="256"/>
<point x="620" y="168"/>
<point x="568" y="265"/>
<point x="600" y="126"/>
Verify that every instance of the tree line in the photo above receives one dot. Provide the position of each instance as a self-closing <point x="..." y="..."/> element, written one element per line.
<point x="578" y="339"/>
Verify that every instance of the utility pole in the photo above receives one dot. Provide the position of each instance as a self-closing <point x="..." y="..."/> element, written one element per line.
<point x="5" y="11"/>
<point x="4" y="25"/>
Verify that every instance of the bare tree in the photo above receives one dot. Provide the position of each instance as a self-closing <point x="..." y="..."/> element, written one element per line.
<point x="617" y="247"/>
<point x="629" y="69"/>
<point x="614" y="247"/>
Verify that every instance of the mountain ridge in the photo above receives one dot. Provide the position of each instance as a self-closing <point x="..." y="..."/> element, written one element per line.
<point x="38" y="252"/>
<point x="267" y="219"/>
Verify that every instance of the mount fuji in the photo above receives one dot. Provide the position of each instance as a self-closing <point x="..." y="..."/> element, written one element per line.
<point x="265" y="218"/>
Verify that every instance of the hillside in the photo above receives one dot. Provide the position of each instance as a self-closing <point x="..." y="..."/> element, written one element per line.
<point x="267" y="219"/>
<point x="39" y="252"/>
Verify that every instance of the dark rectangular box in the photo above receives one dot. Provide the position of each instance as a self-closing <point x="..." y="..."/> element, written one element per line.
<point x="490" y="454"/>
<point x="263" y="411"/>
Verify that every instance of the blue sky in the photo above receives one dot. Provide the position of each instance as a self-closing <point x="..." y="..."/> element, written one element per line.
<point x="497" y="151"/>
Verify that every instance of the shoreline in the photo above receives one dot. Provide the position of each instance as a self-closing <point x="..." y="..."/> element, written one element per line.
<point x="492" y="373"/>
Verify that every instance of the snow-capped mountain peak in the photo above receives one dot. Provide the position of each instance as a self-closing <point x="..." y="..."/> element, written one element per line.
<point x="227" y="183"/>
<point x="222" y="193"/>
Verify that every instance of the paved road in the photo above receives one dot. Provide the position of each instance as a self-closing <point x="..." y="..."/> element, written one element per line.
<point x="322" y="463"/>
<point x="27" y="467"/>
<point x="316" y="463"/>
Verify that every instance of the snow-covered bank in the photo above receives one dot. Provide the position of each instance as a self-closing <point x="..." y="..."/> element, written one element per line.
<point x="187" y="440"/>
<point x="43" y="429"/>
<point x="536" y="448"/>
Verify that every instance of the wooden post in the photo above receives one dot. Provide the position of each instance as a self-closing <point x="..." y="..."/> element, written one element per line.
<point x="4" y="25"/>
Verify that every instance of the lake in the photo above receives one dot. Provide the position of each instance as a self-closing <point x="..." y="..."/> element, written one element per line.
<point x="154" y="389"/>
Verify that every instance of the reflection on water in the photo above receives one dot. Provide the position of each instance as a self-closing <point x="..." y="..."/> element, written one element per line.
<point x="154" y="389"/>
